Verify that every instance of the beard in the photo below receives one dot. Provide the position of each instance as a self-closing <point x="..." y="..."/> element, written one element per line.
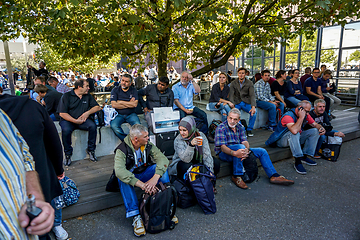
<point x="124" y="87"/>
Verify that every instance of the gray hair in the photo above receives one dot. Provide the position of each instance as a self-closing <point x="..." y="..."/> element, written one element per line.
<point x="137" y="130"/>
<point x="303" y="103"/>
<point x="235" y="111"/>
<point x="317" y="101"/>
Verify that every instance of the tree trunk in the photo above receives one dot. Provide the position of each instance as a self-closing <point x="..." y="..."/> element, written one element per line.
<point x="163" y="56"/>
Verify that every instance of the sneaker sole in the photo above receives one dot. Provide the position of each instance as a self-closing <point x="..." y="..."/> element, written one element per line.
<point x="139" y="235"/>
<point x="310" y="164"/>
<point x="303" y="173"/>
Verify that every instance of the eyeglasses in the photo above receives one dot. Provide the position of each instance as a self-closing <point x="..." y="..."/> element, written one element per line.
<point x="316" y="72"/>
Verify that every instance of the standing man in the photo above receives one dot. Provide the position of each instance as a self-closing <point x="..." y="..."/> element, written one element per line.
<point x="153" y="75"/>
<point x="157" y="95"/>
<point x="74" y="109"/>
<point x="290" y="132"/>
<point x="265" y="100"/>
<point x="306" y="76"/>
<point x="232" y="146"/>
<point x="242" y="95"/>
<point x="312" y="89"/>
<point x="42" y="71"/>
<point x="61" y="88"/>
<point x="139" y="163"/>
<point x="124" y="99"/>
<point x="17" y="179"/>
<point x="183" y="99"/>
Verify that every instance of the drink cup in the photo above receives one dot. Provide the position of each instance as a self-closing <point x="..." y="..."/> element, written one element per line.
<point x="200" y="140"/>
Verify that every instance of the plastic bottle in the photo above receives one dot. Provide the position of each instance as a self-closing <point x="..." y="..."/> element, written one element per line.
<point x="96" y="120"/>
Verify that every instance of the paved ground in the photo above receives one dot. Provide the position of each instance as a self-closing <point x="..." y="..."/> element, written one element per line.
<point x="324" y="204"/>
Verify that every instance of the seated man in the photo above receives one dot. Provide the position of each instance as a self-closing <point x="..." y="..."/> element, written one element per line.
<point x="289" y="132"/>
<point x="326" y="89"/>
<point x="50" y="100"/>
<point x="183" y="99"/>
<point x="312" y="89"/>
<point x="39" y="80"/>
<point x="320" y="117"/>
<point x="124" y="99"/>
<point x="61" y="88"/>
<point x="242" y="95"/>
<point x="232" y="146"/>
<point x="74" y="109"/>
<point x="139" y="163"/>
<point x="157" y="95"/>
<point x="265" y="100"/>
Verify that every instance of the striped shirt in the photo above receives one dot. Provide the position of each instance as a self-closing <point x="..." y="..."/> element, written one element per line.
<point x="15" y="161"/>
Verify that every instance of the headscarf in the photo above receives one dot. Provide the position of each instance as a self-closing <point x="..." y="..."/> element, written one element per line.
<point x="190" y="125"/>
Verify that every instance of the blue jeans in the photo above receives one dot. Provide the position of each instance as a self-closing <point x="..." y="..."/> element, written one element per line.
<point x="131" y="201"/>
<point x="271" y="108"/>
<point x="115" y="124"/>
<point x="320" y="142"/>
<point x="200" y="115"/>
<point x="309" y="138"/>
<point x="58" y="214"/>
<point x="68" y="127"/>
<point x="247" y="107"/>
<point x="223" y="109"/>
<point x="238" y="168"/>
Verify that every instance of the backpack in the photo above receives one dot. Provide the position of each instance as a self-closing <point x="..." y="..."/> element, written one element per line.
<point x="330" y="150"/>
<point x="213" y="126"/>
<point x="158" y="210"/>
<point x="70" y="192"/>
<point x="186" y="197"/>
<point x="251" y="168"/>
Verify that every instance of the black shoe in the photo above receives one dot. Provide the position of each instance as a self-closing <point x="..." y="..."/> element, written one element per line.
<point x="92" y="156"/>
<point x="67" y="161"/>
<point x="249" y="133"/>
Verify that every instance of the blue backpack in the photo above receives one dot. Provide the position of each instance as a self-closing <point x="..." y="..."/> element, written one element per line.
<point x="70" y="192"/>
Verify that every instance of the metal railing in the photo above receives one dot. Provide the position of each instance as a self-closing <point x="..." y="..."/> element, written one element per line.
<point x="348" y="89"/>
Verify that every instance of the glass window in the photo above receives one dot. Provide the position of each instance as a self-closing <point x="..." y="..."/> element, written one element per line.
<point x="350" y="59"/>
<point x="248" y="52"/>
<point x="351" y="35"/>
<point x="307" y="59"/>
<point x="257" y="66"/>
<point x="291" y="61"/>
<point x="269" y="64"/>
<point x="293" y="45"/>
<point x="269" y="54"/>
<point x="257" y="52"/>
<point x="329" y="57"/>
<point x="309" y="43"/>
<point x="248" y="64"/>
<point x="331" y="37"/>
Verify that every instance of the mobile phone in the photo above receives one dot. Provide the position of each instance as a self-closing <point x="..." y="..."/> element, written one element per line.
<point x="106" y="101"/>
<point x="301" y="108"/>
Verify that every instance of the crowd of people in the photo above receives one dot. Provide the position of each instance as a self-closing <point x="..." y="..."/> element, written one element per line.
<point x="297" y="112"/>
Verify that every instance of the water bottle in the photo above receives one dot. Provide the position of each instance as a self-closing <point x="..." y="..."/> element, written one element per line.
<point x="96" y="120"/>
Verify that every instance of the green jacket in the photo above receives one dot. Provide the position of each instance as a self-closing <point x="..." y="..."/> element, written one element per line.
<point x="128" y="177"/>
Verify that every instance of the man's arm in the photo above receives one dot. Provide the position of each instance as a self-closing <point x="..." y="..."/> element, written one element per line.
<point x="320" y="92"/>
<point x="309" y="92"/>
<point x="179" y="105"/>
<point x="196" y="86"/>
<point x="69" y="118"/>
<point x="92" y="110"/>
<point x="43" y="223"/>
<point x="241" y="153"/>
<point x="294" y="128"/>
<point x="319" y="128"/>
<point x="124" y="104"/>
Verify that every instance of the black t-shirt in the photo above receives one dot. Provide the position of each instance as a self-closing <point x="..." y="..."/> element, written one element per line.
<point x="52" y="99"/>
<point x="216" y="93"/>
<point x="118" y="94"/>
<point x="276" y="87"/>
<point x="70" y="103"/>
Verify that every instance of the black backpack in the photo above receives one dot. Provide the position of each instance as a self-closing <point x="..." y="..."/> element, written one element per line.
<point x="158" y="210"/>
<point x="251" y="168"/>
<point x="100" y="121"/>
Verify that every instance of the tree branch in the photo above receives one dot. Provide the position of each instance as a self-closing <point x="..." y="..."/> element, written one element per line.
<point x="192" y="9"/>
<point x="140" y="50"/>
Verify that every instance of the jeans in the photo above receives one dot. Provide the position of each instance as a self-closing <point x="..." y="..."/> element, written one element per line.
<point x="58" y="214"/>
<point x="201" y="115"/>
<point x="68" y="127"/>
<point x="309" y="138"/>
<point x="223" y="109"/>
<point x="131" y="201"/>
<point x="115" y="124"/>
<point x="320" y="142"/>
<point x="293" y="100"/>
<point x="238" y="169"/>
<point x="247" y="107"/>
<point x="271" y="108"/>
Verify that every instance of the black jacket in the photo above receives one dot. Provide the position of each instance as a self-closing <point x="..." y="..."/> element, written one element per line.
<point x="39" y="131"/>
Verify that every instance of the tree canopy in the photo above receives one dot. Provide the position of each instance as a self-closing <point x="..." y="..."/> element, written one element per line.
<point x="202" y="32"/>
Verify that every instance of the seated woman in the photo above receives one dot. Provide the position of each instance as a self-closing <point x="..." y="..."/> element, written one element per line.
<point x="219" y="97"/>
<point x="278" y="87"/>
<point x="189" y="150"/>
<point x="294" y="91"/>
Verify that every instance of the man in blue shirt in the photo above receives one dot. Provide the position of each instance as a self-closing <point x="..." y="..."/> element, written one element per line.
<point x="183" y="99"/>
<point x="231" y="145"/>
<point x="312" y="89"/>
<point x="124" y="99"/>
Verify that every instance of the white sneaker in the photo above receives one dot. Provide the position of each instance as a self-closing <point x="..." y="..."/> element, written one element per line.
<point x="139" y="229"/>
<point x="60" y="233"/>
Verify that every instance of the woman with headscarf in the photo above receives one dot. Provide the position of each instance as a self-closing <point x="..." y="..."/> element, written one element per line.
<point x="190" y="151"/>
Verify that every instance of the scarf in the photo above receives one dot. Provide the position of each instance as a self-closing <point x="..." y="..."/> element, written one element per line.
<point x="190" y="125"/>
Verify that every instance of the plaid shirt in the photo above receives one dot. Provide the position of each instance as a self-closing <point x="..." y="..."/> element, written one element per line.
<point x="263" y="91"/>
<point x="224" y="135"/>
<point x="62" y="88"/>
